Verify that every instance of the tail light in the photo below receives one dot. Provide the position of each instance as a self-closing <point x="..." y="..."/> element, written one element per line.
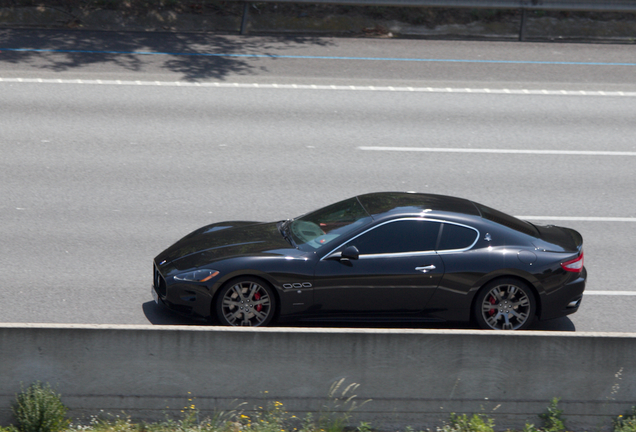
<point x="575" y="265"/>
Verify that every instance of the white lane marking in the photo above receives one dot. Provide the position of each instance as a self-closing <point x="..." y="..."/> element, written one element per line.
<point x="526" y="92"/>
<point x="610" y="293"/>
<point x="579" y="218"/>
<point x="499" y="151"/>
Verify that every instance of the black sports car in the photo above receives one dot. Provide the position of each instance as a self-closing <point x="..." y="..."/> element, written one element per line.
<point x="377" y="257"/>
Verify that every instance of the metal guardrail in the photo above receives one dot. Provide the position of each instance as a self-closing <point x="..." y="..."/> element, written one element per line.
<point x="564" y="5"/>
<point x="522" y="5"/>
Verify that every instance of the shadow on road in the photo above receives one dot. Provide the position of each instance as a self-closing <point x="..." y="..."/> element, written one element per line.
<point x="160" y="315"/>
<point x="558" y="324"/>
<point x="194" y="55"/>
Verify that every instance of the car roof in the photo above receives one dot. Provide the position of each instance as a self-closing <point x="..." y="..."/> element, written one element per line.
<point x="382" y="204"/>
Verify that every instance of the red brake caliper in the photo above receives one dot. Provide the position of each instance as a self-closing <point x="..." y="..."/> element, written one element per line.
<point x="492" y="301"/>
<point x="257" y="296"/>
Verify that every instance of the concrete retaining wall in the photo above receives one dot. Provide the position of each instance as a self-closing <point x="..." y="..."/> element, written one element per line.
<point x="414" y="377"/>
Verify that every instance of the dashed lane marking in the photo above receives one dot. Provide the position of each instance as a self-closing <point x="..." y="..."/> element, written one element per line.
<point x="524" y="92"/>
<point x="610" y="293"/>
<point x="579" y="218"/>
<point x="500" y="151"/>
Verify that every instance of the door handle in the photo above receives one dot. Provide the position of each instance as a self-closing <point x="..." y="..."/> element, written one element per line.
<point x="425" y="268"/>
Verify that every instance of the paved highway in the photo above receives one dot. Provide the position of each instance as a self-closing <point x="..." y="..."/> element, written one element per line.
<point x="115" y="145"/>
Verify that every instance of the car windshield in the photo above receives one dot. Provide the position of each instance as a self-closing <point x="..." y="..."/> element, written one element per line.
<point x="323" y="226"/>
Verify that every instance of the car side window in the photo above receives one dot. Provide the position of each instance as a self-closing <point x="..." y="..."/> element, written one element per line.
<point x="456" y="237"/>
<point x="398" y="237"/>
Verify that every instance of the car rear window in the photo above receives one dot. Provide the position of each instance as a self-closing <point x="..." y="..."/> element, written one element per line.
<point x="507" y="220"/>
<point x="456" y="237"/>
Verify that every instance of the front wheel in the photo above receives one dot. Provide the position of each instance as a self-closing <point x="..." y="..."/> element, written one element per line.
<point x="505" y="304"/>
<point x="245" y="302"/>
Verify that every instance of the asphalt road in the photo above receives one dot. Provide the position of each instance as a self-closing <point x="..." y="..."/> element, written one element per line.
<point x="115" y="145"/>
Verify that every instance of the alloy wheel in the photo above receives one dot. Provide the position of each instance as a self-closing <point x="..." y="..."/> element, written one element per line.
<point x="507" y="307"/>
<point x="246" y="303"/>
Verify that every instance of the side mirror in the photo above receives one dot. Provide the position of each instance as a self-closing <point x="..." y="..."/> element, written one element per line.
<point x="349" y="253"/>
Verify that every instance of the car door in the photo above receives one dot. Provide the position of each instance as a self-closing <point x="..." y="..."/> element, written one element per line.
<point x="466" y="260"/>
<point x="394" y="275"/>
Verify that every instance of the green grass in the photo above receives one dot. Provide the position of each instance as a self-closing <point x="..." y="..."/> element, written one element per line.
<point x="40" y="409"/>
<point x="464" y="423"/>
<point x="626" y="423"/>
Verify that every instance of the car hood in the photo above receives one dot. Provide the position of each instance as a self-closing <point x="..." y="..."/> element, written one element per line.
<point x="558" y="239"/>
<point x="223" y="240"/>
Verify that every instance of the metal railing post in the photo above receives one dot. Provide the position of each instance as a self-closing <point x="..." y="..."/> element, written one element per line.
<point x="522" y="26"/>
<point x="246" y="15"/>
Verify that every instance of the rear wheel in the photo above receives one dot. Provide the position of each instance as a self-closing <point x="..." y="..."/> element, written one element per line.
<point x="245" y="302"/>
<point x="505" y="304"/>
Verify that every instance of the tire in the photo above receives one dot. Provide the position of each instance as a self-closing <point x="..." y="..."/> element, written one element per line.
<point x="245" y="301"/>
<point x="505" y="304"/>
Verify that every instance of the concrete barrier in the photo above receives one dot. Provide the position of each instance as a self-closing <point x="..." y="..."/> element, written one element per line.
<point x="414" y="377"/>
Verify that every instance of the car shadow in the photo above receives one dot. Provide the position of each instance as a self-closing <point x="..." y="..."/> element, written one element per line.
<point x="557" y="324"/>
<point x="560" y="324"/>
<point x="160" y="315"/>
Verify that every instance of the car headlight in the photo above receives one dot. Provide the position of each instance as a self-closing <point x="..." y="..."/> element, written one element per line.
<point x="197" y="276"/>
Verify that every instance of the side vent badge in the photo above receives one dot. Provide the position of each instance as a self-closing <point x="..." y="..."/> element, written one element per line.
<point x="297" y="285"/>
